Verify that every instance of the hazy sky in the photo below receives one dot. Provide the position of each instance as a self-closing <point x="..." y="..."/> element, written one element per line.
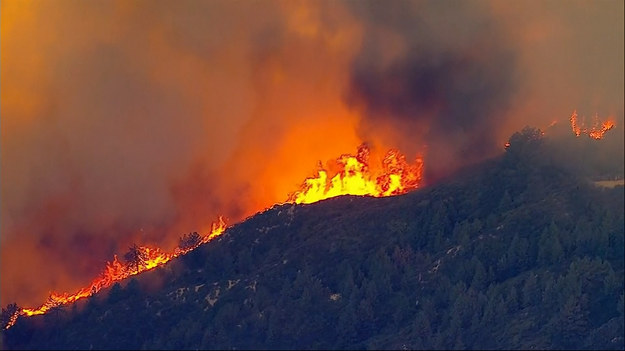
<point x="138" y="121"/>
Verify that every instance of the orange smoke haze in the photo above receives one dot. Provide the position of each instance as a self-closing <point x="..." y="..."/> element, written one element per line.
<point x="138" y="121"/>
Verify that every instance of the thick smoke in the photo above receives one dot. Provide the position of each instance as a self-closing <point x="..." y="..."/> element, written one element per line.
<point x="453" y="79"/>
<point x="440" y="74"/>
<point x="140" y="121"/>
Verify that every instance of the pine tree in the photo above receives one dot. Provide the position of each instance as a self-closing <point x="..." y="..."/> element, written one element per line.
<point x="531" y="294"/>
<point x="571" y="323"/>
<point x="479" y="277"/>
<point x="135" y="257"/>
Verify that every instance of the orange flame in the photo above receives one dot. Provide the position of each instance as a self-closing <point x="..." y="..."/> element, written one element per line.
<point x="115" y="271"/>
<point x="597" y="129"/>
<point x="356" y="178"/>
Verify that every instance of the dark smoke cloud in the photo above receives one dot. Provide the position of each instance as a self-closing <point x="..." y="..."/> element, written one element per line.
<point x="443" y="80"/>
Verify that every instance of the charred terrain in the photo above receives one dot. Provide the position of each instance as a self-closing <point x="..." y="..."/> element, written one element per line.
<point x="525" y="250"/>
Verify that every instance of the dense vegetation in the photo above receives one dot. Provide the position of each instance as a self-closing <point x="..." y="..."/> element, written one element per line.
<point x="522" y="251"/>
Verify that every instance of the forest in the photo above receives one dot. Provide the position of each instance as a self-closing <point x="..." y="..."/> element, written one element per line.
<point x="522" y="251"/>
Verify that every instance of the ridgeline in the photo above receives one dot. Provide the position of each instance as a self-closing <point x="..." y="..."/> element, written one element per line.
<point x="523" y="251"/>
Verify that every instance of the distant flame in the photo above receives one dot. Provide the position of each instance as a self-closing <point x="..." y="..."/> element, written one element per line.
<point x="597" y="129"/>
<point x="355" y="177"/>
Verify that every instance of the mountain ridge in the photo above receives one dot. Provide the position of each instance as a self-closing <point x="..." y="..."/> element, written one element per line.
<point x="517" y="252"/>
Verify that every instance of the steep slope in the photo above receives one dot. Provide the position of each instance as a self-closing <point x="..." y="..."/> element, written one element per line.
<point x="517" y="252"/>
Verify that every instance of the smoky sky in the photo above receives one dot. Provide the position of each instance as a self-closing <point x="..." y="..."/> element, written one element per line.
<point x="447" y="86"/>
<point x="138" y="121"/>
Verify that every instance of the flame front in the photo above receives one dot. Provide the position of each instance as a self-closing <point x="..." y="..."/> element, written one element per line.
<point x="115" y="271"/>
<point x="355" y="177"/>
<point x="597" y="129"/>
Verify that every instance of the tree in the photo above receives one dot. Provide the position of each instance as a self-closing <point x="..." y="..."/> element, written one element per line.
<point x="512" y="300"/>
<point x="571" y="324"/>
<point x="54" y="315"/>
<point x="550" y="249"/>
<point x="531" y="292"/>
<point x="480" y="276"/>
<point x="9" y="315"/>
<point x="525" y="143"/>
<point x="621" y="309"/>
<point x="135" y="257"/>
<point x="189" y="241"/>
<point x="346" y="283"/>
<point x="115" y="294"/>
<point x="504" y="204"/>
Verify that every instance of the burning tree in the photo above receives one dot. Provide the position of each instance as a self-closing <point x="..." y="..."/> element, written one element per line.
<point x="189" y="241"/>
<point x="355" y="177"/>
<point x="9" y="315"/>
<point x="135" y="257"/>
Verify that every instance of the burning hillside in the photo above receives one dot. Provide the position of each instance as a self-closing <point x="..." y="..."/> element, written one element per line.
<point x="354" y="177"/>
<point x="527" y="249"/>
<point x="137" y="260"/>
<point x="134" y="122"/>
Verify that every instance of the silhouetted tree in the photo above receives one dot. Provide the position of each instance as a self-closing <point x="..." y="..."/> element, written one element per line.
<point x="188" y="241"/>
<point x="135" y="257"/>
<point x="54" y="315"/>
<point x="525" y="142"/>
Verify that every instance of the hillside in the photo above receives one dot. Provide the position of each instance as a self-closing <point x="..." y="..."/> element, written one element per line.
<point x="521" y="251"/>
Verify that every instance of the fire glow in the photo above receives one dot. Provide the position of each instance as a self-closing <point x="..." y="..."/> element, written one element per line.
<point x="146" y="259"/>
<point x="354" y="176"/>
<point x="596" y="130"/>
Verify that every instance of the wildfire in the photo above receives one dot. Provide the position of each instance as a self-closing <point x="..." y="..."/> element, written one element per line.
<point x="597" y="129"/>
<point x="139" y="259"/>
<point x="355" y="177"/>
